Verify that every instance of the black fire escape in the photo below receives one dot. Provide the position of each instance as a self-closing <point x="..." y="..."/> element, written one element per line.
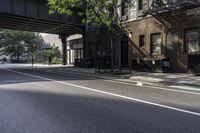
<point x="158" y="7"/>
<point x="161" y="6"/>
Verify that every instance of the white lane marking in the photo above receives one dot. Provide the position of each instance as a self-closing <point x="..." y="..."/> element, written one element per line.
<point x="121" y="82"/>
<point x="111" y="94"/>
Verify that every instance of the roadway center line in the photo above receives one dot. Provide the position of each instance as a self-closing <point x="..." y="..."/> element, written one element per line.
<point x="111" y="94"/>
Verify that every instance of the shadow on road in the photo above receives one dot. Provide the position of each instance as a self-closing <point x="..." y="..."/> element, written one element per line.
<point x="9" y="77"/>
<point x="49" y="112"/>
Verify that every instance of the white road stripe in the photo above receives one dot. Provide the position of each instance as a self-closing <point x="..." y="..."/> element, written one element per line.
<point x="111" y="94"/>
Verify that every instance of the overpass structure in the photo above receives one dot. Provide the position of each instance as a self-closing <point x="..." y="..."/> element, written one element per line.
<point x="32" y="15"/>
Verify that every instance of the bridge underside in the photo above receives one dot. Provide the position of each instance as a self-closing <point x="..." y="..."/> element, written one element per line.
<point x="32" y="15"/>
<point x="16" y="22"/>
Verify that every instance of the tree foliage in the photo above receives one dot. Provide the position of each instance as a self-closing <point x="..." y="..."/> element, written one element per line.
<point x="53" y="52"/>
<point x="15" y="42"/>
<point x="96" y="11"/>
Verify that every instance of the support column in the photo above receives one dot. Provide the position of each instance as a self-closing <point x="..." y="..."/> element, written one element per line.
<point x="63" y="38"/>
<point x="84" y="30"/>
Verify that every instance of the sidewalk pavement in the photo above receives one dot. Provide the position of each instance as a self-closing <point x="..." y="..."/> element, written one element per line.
<point x="171" y="80"/>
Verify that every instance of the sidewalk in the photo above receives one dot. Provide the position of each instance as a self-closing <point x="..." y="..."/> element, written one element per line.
<point x="172" y="80"/>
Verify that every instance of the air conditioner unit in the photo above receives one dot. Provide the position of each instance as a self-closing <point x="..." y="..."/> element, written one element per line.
<point x="124" y="17"/>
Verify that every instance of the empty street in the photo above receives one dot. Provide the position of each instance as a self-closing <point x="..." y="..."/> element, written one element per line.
<point x="34" y="101"/>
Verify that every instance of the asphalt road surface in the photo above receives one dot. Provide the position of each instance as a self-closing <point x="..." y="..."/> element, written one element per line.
<point x="33" y="101"/>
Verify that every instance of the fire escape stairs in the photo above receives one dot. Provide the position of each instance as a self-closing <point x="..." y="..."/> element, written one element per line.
<point x="164" y="22"/>
<point x="126" y="27"/>
<point x="158" y="7"/>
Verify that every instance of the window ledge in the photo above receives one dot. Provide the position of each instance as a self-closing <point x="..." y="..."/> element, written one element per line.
<point x="194" y="53"/>
<point x="156" y="54"/>
<point x="134" y="19"/>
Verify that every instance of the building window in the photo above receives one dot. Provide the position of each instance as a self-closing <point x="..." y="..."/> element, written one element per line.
<point x="125" y="8"/>
<point x="141" y="41"/>
<point x="76" y="46"/>
<point x="192" y="41"/>
<point x="78" y="53"/>
<point x="140" y="4"/>
<point x="156" y="43"/>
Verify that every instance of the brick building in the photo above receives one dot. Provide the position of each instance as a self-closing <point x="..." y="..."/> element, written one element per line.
<point x="154" y="30"/>
<point x="164" y="29"/>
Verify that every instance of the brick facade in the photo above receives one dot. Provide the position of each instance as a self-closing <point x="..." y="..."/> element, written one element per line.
<point x="141" y="32"/>
<point x="172" y="29"/>
<point x="179" y="24"/>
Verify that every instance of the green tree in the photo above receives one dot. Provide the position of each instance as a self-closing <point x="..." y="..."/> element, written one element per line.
<point x="101" y="12"/>
<point x="17" y="42"/>
<point x="53" y="51"/>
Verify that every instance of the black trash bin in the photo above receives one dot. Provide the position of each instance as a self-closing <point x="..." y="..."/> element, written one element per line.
<point x="161" y="65"/>
<point x="166" y="66"/>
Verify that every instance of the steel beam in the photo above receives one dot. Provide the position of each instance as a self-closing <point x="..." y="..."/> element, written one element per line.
<point x="32" y="15"/>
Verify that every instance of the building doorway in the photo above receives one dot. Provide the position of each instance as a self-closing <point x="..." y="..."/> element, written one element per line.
<point x="124" y="53"/>
<point x="171" y="49"/>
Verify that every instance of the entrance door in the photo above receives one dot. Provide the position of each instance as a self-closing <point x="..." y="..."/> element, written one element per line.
<point x="171" y="49"/>
<point x="124" y="53"/>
